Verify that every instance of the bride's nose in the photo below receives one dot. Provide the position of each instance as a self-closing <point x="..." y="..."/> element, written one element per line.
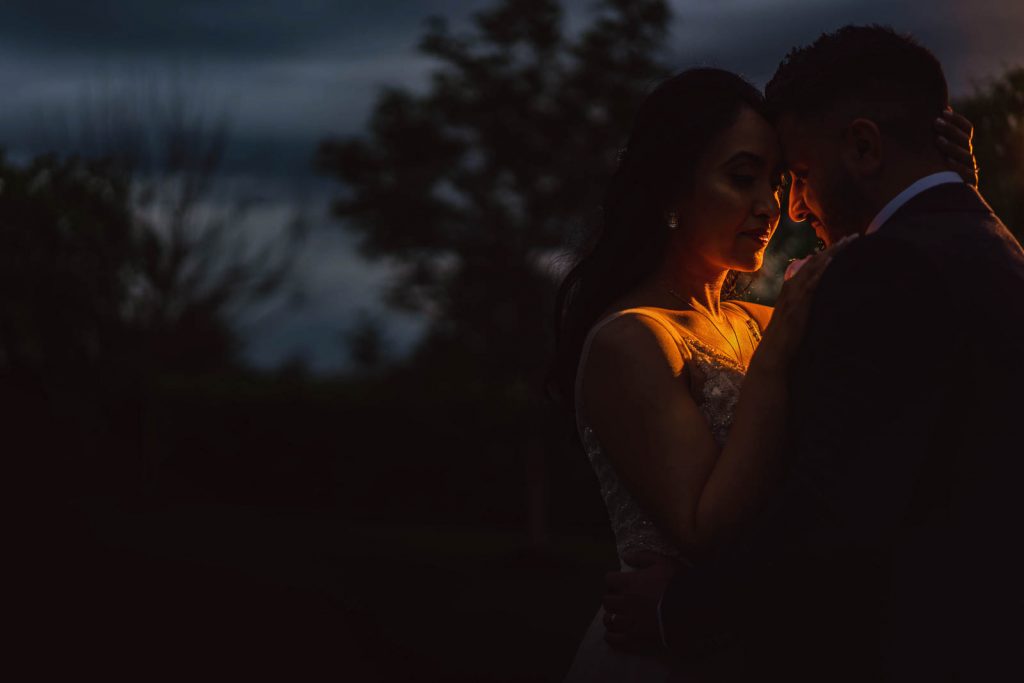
<point x="768" y="208"/>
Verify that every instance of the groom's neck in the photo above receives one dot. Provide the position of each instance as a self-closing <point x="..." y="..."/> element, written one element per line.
<point x="899" y="173"/>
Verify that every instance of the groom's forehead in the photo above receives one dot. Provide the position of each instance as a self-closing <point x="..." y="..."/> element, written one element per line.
<point x="796" y="137"/>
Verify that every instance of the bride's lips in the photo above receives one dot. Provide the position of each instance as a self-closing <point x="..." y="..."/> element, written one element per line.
<point x="762" y="235"/>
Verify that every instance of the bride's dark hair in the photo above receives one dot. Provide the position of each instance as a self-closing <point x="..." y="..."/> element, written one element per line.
<point x="673" y="128"/>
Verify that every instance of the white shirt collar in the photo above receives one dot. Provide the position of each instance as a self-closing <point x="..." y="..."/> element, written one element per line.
<point x="916" y="188"/>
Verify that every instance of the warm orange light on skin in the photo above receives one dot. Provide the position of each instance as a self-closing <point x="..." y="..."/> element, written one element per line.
<point x="811" y="157"/>
<point x="643" y="414"/>
<point x="733" y="210"/>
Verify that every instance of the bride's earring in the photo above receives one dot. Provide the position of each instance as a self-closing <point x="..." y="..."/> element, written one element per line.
<point x="673" y="221"/>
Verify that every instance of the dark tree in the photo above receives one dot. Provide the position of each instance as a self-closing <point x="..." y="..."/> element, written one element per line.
<point x="194" y="268"/>
<point x="66" y="248"/>
<point x="366" y="344"/>
<point x="474" y="186"/>
<point x="67" y="358"/>
<point x="121" y="268"/>
<point x="471" y="185"/>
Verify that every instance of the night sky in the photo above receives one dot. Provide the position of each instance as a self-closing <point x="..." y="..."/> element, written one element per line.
<point x="291" y="72"/>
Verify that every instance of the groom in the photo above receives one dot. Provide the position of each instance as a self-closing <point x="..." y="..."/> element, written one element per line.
<point x="892" y="548"/>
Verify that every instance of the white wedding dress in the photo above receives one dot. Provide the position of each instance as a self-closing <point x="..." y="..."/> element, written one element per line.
<point x="717" y="393"/>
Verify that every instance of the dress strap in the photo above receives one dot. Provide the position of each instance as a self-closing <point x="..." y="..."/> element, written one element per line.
<point x="660" y="318"/>
<point x="752" y="325"/>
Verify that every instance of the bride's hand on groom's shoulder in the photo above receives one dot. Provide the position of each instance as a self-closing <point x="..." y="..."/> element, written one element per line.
<point x="955" y="139"/>
<point x="631" y="602"/>
<point x="783" y="335"/>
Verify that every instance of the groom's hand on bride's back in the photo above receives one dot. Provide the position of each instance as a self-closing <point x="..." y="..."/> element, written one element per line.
<point x="631" y="602"/>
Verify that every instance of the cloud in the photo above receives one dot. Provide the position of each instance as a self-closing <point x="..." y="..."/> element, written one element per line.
<point x="751" y="36"/>
<point x="291" y="72"/>
<point x="216" y="29"/>
<point x="179" y="27"/>
<point x="337" y="286"/>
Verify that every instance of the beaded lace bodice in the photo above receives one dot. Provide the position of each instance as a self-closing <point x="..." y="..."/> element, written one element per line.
<point x="718" y="392"/>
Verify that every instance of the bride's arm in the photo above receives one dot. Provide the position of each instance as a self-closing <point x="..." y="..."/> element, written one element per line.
<point x="636" y="396"/>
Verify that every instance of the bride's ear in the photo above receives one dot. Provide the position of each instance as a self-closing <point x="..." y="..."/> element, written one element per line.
<point x="862" y="147"/>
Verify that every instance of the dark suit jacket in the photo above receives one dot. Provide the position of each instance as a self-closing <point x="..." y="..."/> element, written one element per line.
<point x="892" y="549"/>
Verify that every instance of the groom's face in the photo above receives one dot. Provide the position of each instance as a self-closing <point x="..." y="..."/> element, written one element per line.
<point x="822" y="191"/>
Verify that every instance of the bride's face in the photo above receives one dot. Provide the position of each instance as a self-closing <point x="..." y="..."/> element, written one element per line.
<point x="733" y="210"/>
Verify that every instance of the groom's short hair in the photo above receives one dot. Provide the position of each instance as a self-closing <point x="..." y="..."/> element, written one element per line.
<point x="876" y="72"/>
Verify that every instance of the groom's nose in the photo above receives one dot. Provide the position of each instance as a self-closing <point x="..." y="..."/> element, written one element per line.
<point x="797" y="209"/>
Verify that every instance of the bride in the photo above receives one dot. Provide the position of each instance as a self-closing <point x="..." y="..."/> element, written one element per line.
<point x="652" y="352"/>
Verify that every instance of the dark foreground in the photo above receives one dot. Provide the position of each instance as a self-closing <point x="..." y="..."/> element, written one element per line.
<point x="198" y="588"/>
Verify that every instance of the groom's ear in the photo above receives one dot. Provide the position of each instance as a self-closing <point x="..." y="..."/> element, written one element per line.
<point x="862" y="147"/>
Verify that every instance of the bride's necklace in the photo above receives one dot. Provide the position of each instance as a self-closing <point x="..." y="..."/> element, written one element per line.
<point x="734" y="347"/>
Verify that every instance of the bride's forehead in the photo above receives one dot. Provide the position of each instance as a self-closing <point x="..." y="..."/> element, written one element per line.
<point x="751" y="135"/>
<point x="750" y="124"/>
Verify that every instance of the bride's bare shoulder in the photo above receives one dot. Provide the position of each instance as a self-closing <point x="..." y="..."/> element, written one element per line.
<point x="638" y="340"/>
